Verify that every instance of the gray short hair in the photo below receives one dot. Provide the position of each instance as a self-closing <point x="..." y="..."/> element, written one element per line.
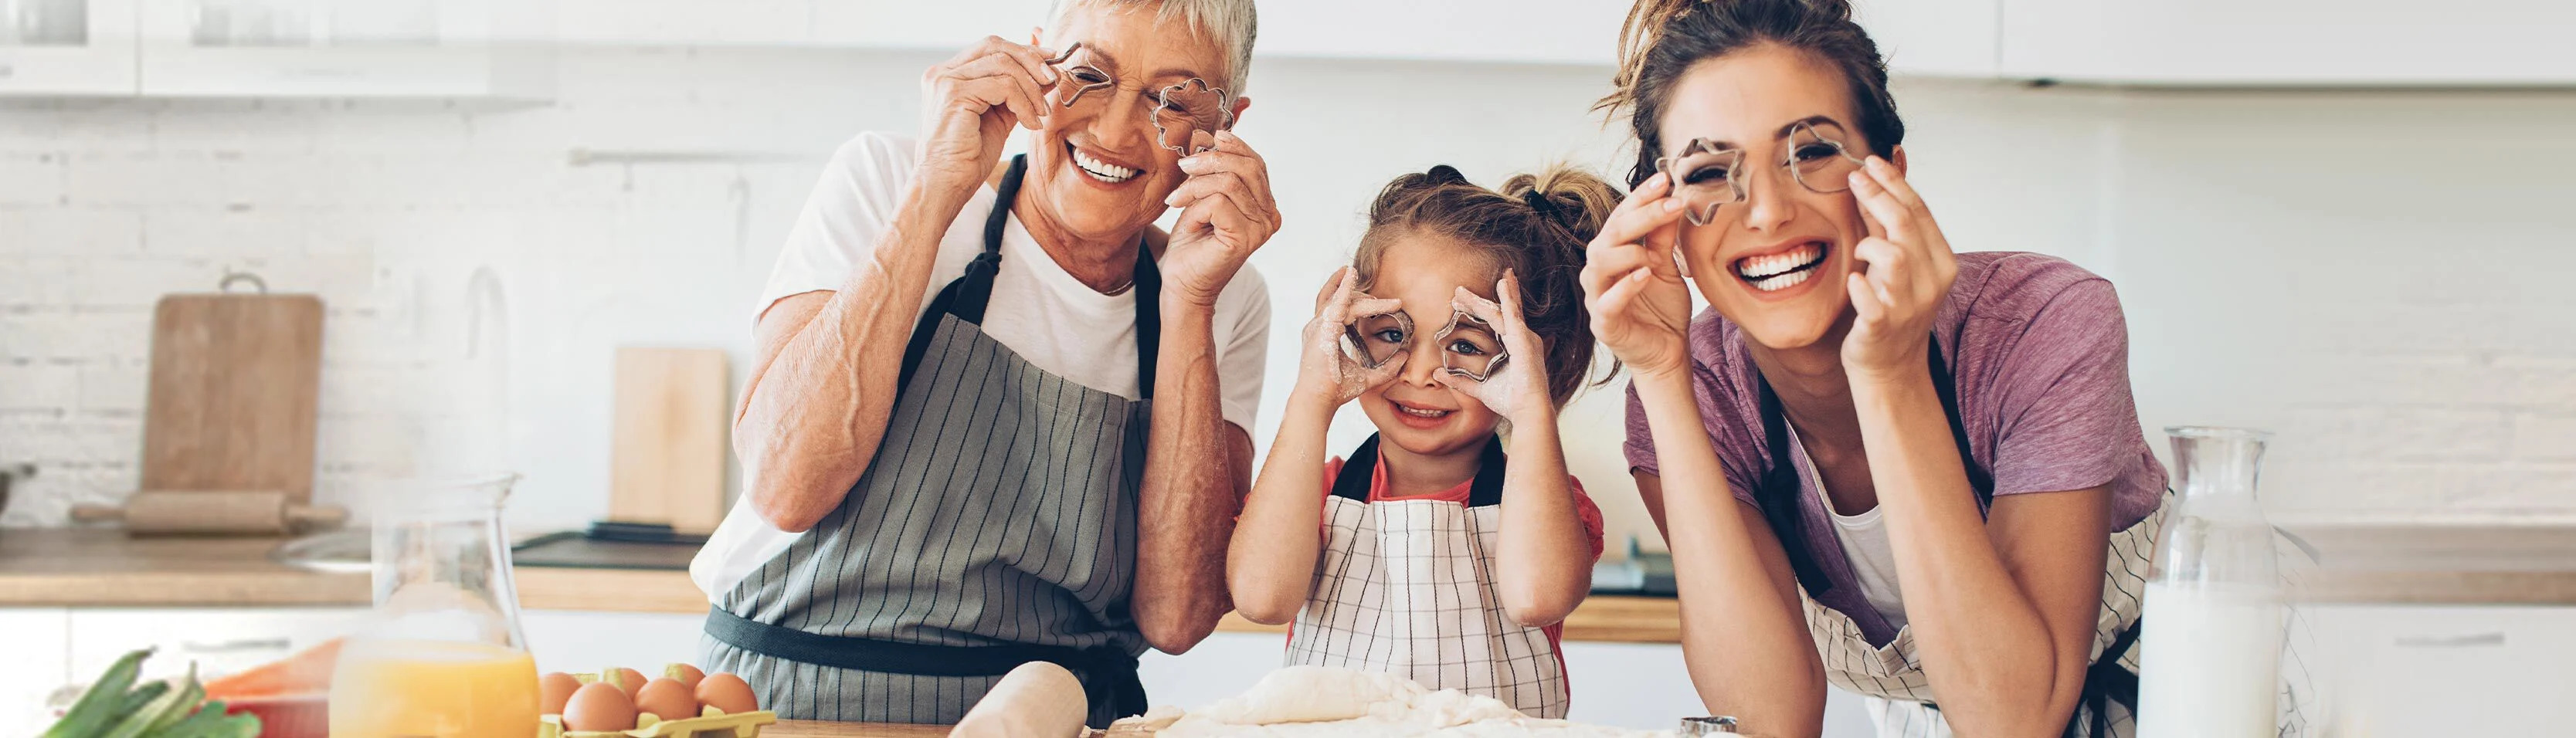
<point x="1230" y="22"/>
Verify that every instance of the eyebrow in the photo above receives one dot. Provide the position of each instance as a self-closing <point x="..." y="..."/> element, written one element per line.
<point x="1812" y="120"/>
<point x="1098" y="58"/>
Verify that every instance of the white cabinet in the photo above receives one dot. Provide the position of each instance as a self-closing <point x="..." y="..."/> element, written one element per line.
<point x="434" y="49"/>
<point x="583" y="640"/>
<point x="72" y="48"/>
<point x="219" y="640"/>
<point x="2449" y="670"/>
<point x="2291" y="42"/>
<point x="31" y="645"/>
<point x="457" y="50"/>
<point x="1935" y="38"/>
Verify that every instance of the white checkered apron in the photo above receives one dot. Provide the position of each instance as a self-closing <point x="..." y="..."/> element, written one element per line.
<point x="1406" y="587"/>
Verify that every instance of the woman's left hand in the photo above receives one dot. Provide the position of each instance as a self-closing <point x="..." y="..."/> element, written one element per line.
<point x="1908" y="273"/>
<point x="1520" y="387"/>
<point x="1226" y="213"/>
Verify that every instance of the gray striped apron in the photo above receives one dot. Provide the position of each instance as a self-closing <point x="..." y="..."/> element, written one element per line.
<point x="995" y="526"/>
<point x="1900" y="695"/>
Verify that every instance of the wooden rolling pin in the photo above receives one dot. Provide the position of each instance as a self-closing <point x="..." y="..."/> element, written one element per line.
<point x="213" y="513"/>
<point x="1037" y="700"/>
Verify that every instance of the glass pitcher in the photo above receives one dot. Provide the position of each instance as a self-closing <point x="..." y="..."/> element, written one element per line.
<point x="443" y="655"/>
<point x="2213" y="606"/>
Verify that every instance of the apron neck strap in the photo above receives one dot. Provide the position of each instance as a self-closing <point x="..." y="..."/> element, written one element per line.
<point x="1359" y="473"/>
<point x="1779" y="486"/>
<point x="967" y="296"/>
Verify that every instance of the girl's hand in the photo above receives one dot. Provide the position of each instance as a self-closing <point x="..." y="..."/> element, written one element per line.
<point x="1518" y="391"/>
<point x="1326" y="370"/>
<point x="1633" y="284"/>
<point x="1909" y="270"/>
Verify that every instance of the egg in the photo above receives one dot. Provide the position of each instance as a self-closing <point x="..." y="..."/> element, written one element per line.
<point x="599" y="706"/>
<point x="628" y="680"/>
<point x="553" y="690"/>
<point x="667" y="699"/>
<point x="728" y="693"/>
<point x="689" y="675"/>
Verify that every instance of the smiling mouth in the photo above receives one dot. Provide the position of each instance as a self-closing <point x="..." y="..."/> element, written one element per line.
<point x="1420" y="412"/>
<point x="1099" y="170"/>
<point x="1783" y="270"/>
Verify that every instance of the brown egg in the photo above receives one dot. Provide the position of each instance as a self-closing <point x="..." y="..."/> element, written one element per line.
<point x="667" y="699"/>
<point x="628" y="680"/>
<point x="689" y="675"/>
<point x="728" y="693"/>
<point x="599" y="706"/>
<point x="553" y="690"/>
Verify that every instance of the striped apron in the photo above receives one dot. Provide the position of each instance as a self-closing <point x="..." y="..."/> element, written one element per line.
<point x="1406" y="587"/>
<point x="1898" y="694"/>
<point x="995" y="526"/>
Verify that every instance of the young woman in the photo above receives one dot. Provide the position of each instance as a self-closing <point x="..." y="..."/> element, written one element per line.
<point x="1915" y="474"/>
<point x="1429" y="553"/>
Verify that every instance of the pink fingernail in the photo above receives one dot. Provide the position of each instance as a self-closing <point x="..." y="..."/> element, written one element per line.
<point x="1672" y="205"/>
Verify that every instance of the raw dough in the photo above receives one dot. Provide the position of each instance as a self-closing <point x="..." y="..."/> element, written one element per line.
<point x="1321" y="702"/>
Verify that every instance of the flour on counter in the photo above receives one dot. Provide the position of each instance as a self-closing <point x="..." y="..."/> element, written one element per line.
<point x="1320" y="702"/>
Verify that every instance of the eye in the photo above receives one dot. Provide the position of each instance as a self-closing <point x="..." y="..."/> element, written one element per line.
<point x="1465" y="347"/>
<point x="1389" y="335"/>
<point x="1087" y="75"/>
<point x="1818" y="152"/>
<point x="1704" y="175"/>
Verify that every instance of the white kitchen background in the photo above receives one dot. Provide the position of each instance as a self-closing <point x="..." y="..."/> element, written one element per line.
<point x="2378" y="272"/>
<point x="2379" y="275"/>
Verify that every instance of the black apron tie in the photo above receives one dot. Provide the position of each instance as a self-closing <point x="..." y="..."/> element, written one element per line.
<point x="1108" y="674"/>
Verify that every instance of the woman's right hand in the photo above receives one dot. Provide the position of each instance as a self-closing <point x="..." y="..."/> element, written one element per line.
<point x="1325" y="370"/>
<point x="1633" y="285"/>
<point x="973" y="101"/>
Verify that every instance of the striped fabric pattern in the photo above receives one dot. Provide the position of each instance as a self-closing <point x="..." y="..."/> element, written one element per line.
<point x="1892" y="679"/>
<point x="1000" y="509"/>
<point x="1406" y="587"/>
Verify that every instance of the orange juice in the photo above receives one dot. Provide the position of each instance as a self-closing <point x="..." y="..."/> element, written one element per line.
<point x="385" y="689"/>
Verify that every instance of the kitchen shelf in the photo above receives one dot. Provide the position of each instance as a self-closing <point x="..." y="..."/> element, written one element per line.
<point x="364" y="72"/>
<point x="100" y="64"/>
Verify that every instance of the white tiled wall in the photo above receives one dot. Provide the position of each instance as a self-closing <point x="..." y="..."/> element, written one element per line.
<point x="2378" y="276"/>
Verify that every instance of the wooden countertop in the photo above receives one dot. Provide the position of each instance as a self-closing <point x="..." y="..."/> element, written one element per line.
<point x="52" y="567"/>
<point x="813" y="729"/>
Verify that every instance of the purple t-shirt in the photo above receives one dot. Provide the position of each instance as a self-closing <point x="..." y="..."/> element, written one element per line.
<point x="2040" y="356"/>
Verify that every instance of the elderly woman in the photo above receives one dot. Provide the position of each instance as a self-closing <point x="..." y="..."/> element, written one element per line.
<point x="998" y="417"/>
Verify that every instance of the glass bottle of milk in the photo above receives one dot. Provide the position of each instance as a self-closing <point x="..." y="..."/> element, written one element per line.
<point x="2211" y="668"/>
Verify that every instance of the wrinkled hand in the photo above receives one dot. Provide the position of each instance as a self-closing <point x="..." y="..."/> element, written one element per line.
<point x="1325" y="367"/>
<point x="1633" y="284"/>
<point x="1226" y="213"/>
<point x="1519" y="389"/>
<point x="1909" y="270"/>
<point x="971" y="103"/>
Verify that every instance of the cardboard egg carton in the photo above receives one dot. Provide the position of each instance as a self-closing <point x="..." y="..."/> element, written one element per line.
<point x="710" y="723"/>
<point x="713" y="723"/>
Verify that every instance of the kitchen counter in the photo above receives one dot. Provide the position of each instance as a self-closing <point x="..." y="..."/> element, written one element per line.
<point x="51" y="567"/>
<point x="814" y="729"/>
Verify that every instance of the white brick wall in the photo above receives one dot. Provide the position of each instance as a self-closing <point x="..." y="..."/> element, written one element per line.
<point x="2346" y="269"/>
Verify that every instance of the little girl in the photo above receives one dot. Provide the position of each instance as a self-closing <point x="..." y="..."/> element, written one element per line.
<point x="1425" y="554"/>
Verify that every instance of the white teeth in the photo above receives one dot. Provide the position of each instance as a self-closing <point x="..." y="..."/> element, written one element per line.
<point x="1101" y="170"/>
<point x="1422" y="413"/>
<point x="1783" y="282"/>
<point x="1768" y="267"/>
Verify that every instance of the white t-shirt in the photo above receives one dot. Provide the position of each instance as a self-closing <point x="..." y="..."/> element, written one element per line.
<point x="1865" y="543"/>
<point x="1038" y="310"/>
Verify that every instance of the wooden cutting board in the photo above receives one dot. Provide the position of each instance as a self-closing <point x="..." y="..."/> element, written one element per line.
<point x="235" y="383"/>
<point x="668" y="458"/>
